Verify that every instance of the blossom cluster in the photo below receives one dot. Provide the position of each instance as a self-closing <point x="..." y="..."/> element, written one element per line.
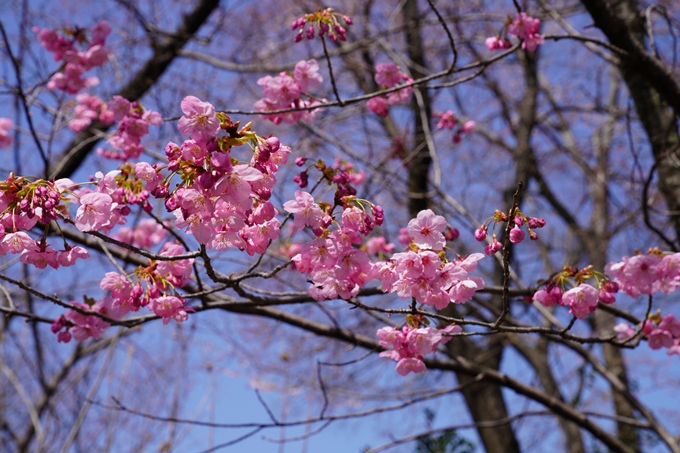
<point x="517" y="221"/>
<point x="423" y="271"/>
<point x="661" y="332"/>
<point x="133" y="124"/>
<point x="5" y="128"/>
<point x="24" y="203"/>
<point x="523" y="27"/>
<point x="285" y="91"/>
<point x="447" y="120"/>
<point x="222" y="202"/>
<point x="335" y="266"/>
<point x="410" y="343"/>
<point x="321" y="23"/>
<point x="81" y="326"/>
<point x="387" y="75"/>
<point x="646" y="273"/>
<point x="146" y="234"/>
<point x="89" y="108"/>
<point x="153" y="286"/>
<point x="75" y="62"/>
<point x="101" y="205"/>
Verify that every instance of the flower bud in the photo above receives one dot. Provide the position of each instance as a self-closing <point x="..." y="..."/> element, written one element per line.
<point x="516" y="235"/>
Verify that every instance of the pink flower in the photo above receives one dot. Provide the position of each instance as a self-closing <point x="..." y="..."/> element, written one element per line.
<point x="168" y="307"/>
<point x="659" y="338"/>
<point x="494" y="247"/>
<point x="467" y="127"/>
<point x="548" y="298"/>
<point x="306" y="74"/>
<point x="516" y="235"/>
<point x="15" y="243"/>
<point x="39" y="258"/>
<point x="95" y="211"/>
<point x="178" y="268"/>
<point x="5" y="128"/>
<point x="404" y="236"/>
<point x="480" y="234"/>
<point x="199" y="119"/>
<point x="446" y="120"/>
<point x="532" y="42"/>
<point x="282" y="89"/>
<point x="671" y="324"/>
<point x="624" y="331"/>
<point x="69" y="256"/>
<point x="377" y="245"/>
<point x="389" y="336"/>
<point x="307" y="212"/>
<point x="582" y="300"/>
<point x="606" y="297"/>
<point x="675" y="349"/>
<point x="84" y="326"/>
<point x="387" y="74"/>
<point x="523" y="26"/>
<point x="119" y="106"/>
<point x="378" y="105"/>
<point x="410" y="365"/>
<point x="497" y="43"/>
<point x="100" y="31"/>
<point x="426" y="230"/>
<point x="117" y="283"/>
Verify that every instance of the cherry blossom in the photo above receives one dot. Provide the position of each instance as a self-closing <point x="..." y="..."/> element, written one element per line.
<point x="199" y="119"/>
<point x="5" y="128"/>
<point x="426" y="230"/>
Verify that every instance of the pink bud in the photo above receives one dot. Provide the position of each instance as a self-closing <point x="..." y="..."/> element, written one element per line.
<point x="516" y="235"/>
<point x="451" y="234"/>
<point x="480" y="234"/>
<point x="606" y="297"/>
<point x="536" y="222"/>
<point x="610" y="286"/>
<point x="467" y="127"/>
<point x="533" y="236"/>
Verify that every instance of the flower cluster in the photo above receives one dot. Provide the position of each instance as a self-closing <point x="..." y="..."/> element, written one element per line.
<point x="336" y="267"/>
<point x="321" y="23"/>
<point x="145" y="235"/>
<point x="88" y="109"/>
<point x="24" y="203"/>
<point x="410" y="343"/>
<point x="447" y="120"/>
<point x="646" y="273"/>
<point x="133" y="124"/>
<point x="522" y="26"/>
<point x="153" y="286"/>
<point x="378" y="245"/>
<point x="423" y="271"/>
<point x="5" y="128"/>
<point x="76" y="62"/>
<point x="661" y="332"/>
<point x="285" y="91"/>
<point x="388" y="76"/>
<point x="517" y="221"/>
<point x="222" y="202"/>
<point x="75" y="324"/>
<point x="582" y="299"/>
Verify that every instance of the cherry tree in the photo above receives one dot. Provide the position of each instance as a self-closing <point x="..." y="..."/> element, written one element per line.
<point x="465" y="204"/>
